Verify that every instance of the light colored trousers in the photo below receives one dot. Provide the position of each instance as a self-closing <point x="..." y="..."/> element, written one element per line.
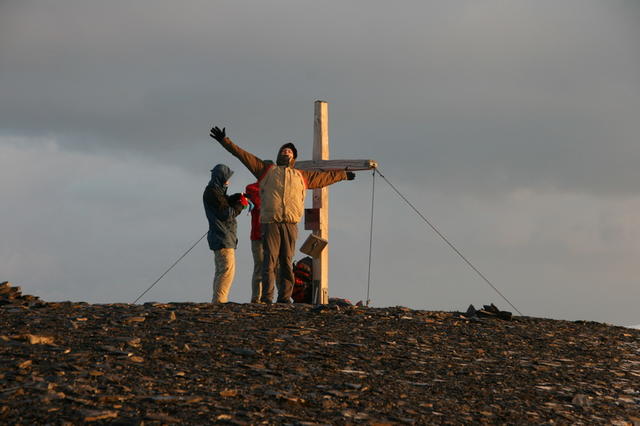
<point x="225" y="264"/>
<point x="256" y="278"/>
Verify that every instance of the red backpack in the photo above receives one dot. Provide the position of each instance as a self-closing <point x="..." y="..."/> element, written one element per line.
<point x="303" y="280"/>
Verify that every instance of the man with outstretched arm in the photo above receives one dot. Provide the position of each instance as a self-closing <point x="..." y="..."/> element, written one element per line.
<point x="282" y="192"/>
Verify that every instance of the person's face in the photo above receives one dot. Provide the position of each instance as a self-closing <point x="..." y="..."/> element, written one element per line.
<point x="288" y="152"/>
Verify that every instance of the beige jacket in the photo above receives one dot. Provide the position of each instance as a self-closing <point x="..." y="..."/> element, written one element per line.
<point x="282" y="189"/>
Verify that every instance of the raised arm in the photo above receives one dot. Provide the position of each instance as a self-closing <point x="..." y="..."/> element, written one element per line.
<point x="255" y="165"/>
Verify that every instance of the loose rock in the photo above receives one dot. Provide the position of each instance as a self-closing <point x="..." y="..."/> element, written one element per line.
<point x="197" y="363"/>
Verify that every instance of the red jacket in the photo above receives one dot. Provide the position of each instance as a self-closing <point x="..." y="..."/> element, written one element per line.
<point x="252" y="192"/>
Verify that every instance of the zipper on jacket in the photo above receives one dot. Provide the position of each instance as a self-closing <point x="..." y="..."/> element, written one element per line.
<point x="284" y="192"/>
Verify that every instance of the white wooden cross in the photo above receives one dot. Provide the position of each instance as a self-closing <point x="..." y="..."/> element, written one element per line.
<point x="321" y="196"/>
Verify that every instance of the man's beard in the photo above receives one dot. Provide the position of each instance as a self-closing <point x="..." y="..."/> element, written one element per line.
<point x="284" y="160"/>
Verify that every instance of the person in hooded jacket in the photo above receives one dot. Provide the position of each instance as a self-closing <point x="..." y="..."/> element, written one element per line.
<point x="282" y="193"/>
<point x="221" y="211"/>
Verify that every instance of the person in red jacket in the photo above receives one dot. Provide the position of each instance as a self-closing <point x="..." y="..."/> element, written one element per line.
<point x="252" y="191"/>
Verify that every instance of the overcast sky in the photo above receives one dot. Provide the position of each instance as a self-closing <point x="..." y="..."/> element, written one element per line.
<point x="512" y="125"/>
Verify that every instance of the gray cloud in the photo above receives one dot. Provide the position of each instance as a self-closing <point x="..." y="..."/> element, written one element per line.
<point x="491" y="91"/>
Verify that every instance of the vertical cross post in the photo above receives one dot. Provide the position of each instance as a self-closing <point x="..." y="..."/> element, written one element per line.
<point x="319" y="219"/>
<point x="321" y="202"/>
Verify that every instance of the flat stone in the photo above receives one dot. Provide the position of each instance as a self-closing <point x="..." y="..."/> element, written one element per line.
<point x="198" y="363"/>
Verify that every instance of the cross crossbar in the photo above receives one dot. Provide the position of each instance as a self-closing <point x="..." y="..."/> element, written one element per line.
<point x="332" y="165"/>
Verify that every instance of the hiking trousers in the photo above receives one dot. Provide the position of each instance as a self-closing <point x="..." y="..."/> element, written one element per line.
<point x="278" y="242"/>
<point x="256" y="277"/>
<point x="225" y="264"/>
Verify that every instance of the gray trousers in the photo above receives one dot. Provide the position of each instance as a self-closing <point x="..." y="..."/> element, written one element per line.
<point x="278" y="242"/>
<point x="256" y="277"/>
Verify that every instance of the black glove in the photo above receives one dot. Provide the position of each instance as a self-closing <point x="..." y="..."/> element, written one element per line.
<point x="234" y="199"/>
<point x="218" y="134"/>
<point x="351" y="176"/>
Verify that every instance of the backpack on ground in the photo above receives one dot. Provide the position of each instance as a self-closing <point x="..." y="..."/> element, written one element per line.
<point x="303" y="280"/>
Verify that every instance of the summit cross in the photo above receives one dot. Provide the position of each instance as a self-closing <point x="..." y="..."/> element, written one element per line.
<point x="320" y="228"/>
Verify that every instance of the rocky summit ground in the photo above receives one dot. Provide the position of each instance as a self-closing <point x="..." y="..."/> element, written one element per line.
<point x="199" y="363"/>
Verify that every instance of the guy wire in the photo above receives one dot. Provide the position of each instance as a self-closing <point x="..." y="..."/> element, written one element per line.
<point x="373" y="195"/>
<point x="448" y="242"/>
<point x="171" y="267"/>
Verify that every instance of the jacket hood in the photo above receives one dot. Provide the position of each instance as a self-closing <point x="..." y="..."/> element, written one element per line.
<point x="292" y="147"/>
<point x="220" y="174"/>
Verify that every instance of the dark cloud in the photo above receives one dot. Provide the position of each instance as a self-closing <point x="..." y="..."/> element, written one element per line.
<point x="475" y="93"/>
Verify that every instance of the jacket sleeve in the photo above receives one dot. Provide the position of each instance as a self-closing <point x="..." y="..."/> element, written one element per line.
<point x="255" y="165"/>
<point x="316" y="179"/>
<point x="253" y="193"/>
<point x="220" y="205"/>
<point x="235" y="207"/>
<point x="235" y="210"/>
